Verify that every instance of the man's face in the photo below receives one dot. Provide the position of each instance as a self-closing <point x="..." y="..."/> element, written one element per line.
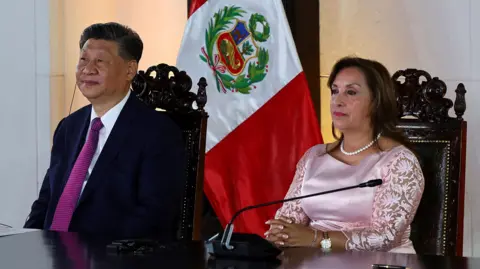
<point x="101" y="72"/>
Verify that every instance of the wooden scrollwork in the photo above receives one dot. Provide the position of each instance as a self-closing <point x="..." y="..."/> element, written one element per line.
<point x="423" y="97"/>
<point x="165" y="87"/>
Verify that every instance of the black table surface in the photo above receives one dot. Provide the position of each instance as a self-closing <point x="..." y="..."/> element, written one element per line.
<point x="46" y="250"/>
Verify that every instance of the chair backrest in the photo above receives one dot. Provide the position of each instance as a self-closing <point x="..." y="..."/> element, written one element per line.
<point x="166" y="89"/>
<point x="439" y="141"/>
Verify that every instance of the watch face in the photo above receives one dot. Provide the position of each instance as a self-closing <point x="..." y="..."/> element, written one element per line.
<point x="326" y="243"/>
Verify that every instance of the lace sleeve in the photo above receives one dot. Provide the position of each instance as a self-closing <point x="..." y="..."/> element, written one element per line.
<point x="394" y="206"/>
<point x="293" y="210"/>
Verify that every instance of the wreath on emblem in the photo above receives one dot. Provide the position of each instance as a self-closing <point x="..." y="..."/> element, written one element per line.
<point x="229" y="57"/>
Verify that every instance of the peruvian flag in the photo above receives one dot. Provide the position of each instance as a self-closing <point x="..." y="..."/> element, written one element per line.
<point x="261" y="116"/>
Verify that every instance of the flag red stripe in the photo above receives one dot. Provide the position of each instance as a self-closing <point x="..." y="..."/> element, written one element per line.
<point x="256" y="162"/>
<point x="196" y="4"/>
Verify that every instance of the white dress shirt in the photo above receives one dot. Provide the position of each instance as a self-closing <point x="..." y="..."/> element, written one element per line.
<point x="108" y="120"/>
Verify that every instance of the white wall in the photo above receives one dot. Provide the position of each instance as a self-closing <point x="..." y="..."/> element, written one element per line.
<point x="24" y="105"/>
<point x="439" y="36"/>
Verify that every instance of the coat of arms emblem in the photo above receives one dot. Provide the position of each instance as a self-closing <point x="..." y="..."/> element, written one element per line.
<point x="233" y="49"/>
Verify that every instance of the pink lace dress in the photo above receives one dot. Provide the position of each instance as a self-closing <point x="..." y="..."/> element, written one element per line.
<point x="372" y="219"/>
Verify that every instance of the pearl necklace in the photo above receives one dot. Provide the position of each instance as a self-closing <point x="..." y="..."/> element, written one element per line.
<point x="358" y="150"/>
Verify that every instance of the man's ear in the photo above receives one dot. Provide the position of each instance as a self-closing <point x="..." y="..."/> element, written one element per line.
<point x="132" y="70"/>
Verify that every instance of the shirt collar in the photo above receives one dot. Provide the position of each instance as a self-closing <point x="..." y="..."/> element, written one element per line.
<point x="109" y="118"/>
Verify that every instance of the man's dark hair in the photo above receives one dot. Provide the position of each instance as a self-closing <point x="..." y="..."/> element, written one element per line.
<point x="130" y="45"/>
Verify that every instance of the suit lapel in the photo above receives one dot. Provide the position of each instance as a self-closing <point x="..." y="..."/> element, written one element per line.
<point x="115" y="141"/>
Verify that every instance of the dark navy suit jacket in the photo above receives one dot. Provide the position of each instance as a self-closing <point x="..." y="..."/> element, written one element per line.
<point x="136" y="186"/>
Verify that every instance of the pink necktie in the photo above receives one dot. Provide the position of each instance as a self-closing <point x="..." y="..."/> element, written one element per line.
<point x="69" y="198"/>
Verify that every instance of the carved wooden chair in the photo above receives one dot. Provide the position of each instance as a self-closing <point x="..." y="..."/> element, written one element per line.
<point x="439" y="141"/>
<point x="166" y="89"/>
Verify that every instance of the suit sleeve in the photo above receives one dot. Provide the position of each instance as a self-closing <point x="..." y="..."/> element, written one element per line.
<point x="160" y="185"/>
<point x="36" y="218"/>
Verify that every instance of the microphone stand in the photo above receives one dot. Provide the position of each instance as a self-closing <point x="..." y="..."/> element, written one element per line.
<point x="228" y="250"/>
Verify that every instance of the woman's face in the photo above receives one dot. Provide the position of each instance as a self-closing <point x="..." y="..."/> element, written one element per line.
<point x="350" y="103"/>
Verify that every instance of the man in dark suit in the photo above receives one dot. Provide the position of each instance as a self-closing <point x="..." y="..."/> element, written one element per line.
<point x="117" y="167"/>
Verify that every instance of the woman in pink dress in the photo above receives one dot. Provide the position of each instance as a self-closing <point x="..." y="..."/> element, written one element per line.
<point x="364" y="110"/>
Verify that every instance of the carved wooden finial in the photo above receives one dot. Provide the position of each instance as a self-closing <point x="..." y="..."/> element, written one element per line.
<point x="165" y="87"/>
<point x="460" y="104"/>
<point x="202" y="93"/>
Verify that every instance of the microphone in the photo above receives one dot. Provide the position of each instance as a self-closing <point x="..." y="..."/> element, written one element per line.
<point x="5" y="225"/>
<point x="252" y="246"/>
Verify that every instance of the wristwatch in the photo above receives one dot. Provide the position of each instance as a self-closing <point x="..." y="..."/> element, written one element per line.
<point x="326" y="243"/>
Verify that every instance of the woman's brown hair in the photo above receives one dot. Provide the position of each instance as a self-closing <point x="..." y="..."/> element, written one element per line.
<point x="384" y="111"/>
